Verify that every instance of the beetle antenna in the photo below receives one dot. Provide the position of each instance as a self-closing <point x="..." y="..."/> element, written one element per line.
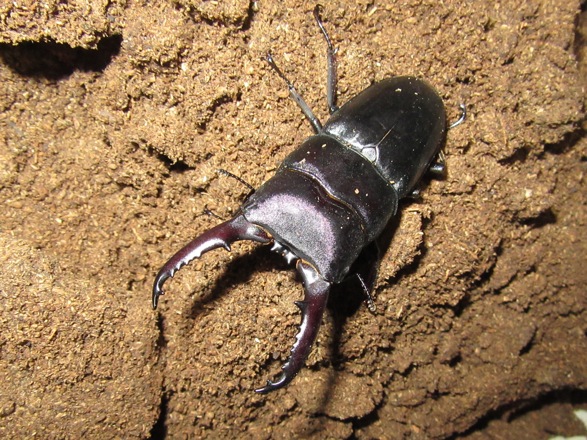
<point x="331" y="54"/>
<point x="462" y="118"/>
<point x="239" y="179"/>
<point x="212" y="214"/>
<point x="294" y="94"/>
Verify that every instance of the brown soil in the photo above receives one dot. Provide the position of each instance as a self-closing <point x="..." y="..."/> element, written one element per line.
<point x="115" y="116"/>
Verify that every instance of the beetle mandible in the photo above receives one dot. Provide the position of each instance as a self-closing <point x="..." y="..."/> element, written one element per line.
<point x="333" y="196"/>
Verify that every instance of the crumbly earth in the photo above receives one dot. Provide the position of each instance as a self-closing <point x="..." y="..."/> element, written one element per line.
<point x="115" y="116"/>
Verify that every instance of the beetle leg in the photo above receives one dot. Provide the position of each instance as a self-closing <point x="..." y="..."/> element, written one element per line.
<point x="312" y="307"/>
<point x="462" y="118"/>
<point x="295" y="95"/>
<point x="222" y="235"/>
<point x="415" y="194"/>
<point x="331" y="54"/>
<point x="368" y="297"/>
<point x="438" y="168"/>
<point x="366" y="272"/>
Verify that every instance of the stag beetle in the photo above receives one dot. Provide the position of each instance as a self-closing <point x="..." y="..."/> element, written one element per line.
<point x="333" y="196"/>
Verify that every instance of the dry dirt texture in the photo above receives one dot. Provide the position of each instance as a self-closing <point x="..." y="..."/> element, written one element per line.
<point x="114" y="116"/>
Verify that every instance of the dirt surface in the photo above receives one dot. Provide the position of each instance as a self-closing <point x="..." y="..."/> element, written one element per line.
<point x="115" y="116"/>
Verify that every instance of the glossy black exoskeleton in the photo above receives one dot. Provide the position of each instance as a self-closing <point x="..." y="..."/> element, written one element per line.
<point x="333" y="196"/>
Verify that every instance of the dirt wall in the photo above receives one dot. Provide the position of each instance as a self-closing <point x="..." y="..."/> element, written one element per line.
<point x="115" y="116"/>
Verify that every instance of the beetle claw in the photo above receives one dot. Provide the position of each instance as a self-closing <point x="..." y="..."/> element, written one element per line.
<point x="281" y="381"/>
<point x="312" y="307"/>
<point x="223" y="235"/>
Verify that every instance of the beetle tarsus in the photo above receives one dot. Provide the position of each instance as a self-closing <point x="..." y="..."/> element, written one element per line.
<point x="312" y="307"/>
<point x="331" y="54"/>
<point x="462" y="118"/>
<point x="369" y="300"/>
<point x="223" y="235"/>
<point x="295" y="95"/>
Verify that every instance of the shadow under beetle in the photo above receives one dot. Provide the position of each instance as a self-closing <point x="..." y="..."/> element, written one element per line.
<point x="333" y="196"/>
